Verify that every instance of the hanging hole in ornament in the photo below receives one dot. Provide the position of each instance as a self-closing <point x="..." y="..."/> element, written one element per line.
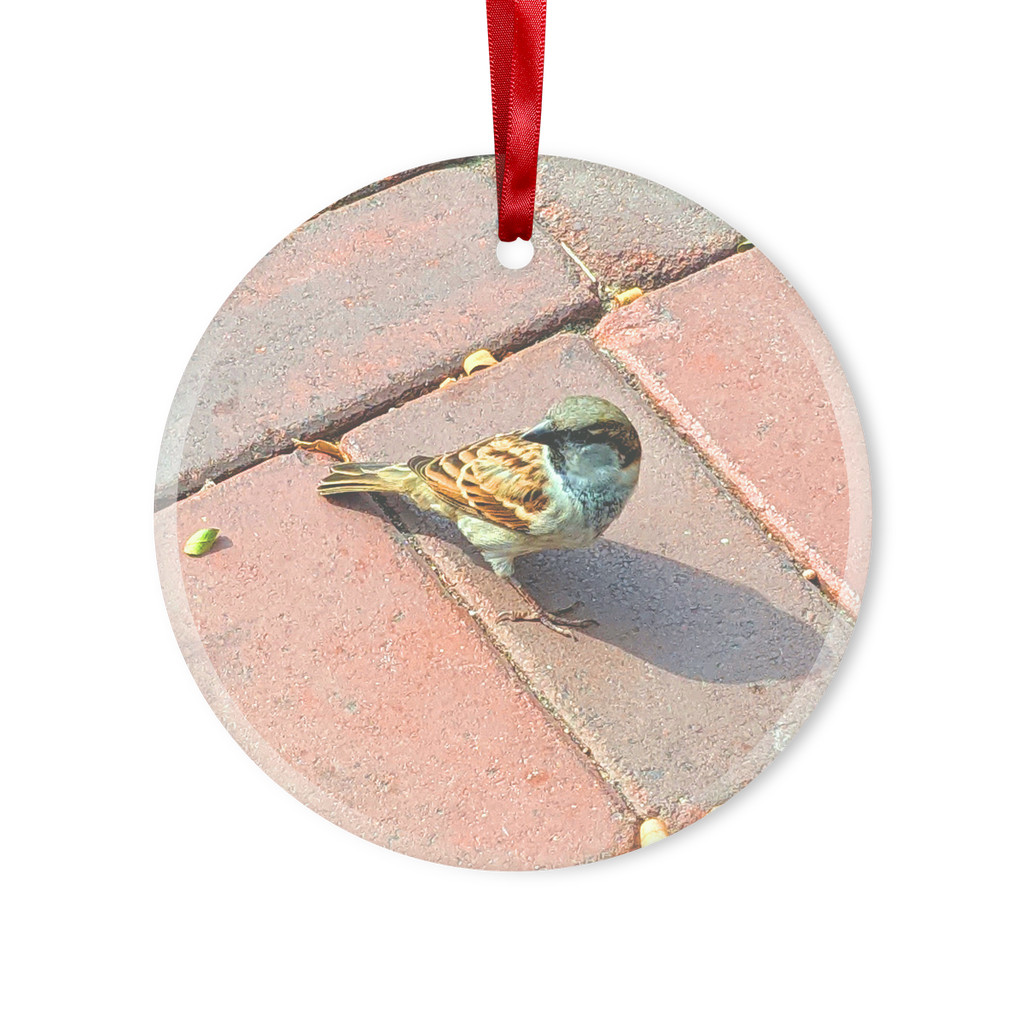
<point x="515" y="255"/>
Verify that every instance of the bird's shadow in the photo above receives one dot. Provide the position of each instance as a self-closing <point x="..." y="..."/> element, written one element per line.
<point x="669" y="614"/>
<point x="681" y="619"/>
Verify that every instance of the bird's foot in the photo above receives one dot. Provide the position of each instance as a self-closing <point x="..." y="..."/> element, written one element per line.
<point x="558" y="621"/>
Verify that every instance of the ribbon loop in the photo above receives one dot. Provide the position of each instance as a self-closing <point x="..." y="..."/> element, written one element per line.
<point x="515" y="34"/>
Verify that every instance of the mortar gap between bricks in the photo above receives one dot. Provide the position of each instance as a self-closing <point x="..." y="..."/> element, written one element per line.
<point x="576" y="324"/>
<point x="451" y="591"/>
<point x="395" y="179"/>
<point x="732" y="489"/>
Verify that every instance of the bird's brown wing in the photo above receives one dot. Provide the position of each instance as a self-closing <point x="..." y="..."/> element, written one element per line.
<point x="500" y="479"/>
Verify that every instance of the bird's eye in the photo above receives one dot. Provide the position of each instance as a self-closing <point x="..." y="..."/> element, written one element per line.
<point x="581" y="435"/>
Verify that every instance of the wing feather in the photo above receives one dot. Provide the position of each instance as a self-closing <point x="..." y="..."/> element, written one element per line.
<point x="499" y="480"/>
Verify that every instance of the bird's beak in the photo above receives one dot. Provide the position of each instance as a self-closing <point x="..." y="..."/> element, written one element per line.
<point x="541" y="434"/>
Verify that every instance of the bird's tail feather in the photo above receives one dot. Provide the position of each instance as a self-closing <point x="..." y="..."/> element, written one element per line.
<point x="349" y="477"/>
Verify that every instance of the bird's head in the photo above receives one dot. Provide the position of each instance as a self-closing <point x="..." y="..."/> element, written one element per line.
<point x="588" y="436"/>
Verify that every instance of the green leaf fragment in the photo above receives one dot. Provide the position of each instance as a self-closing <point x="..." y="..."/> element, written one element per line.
<point x="200" y="542"/>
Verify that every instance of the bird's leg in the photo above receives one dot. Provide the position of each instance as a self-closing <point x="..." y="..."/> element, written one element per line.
<point x="556" y="621"/>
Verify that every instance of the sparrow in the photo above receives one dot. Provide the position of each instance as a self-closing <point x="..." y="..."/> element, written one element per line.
<point x="560" y="484"/>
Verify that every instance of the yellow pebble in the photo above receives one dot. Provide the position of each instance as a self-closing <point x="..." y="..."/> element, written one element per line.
<point x="652" y="831"/>
<point x="628" y="296"/>
<point x="478" y="359"/>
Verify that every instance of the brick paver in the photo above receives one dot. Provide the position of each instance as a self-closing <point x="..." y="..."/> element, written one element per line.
<point x="359" y="307"/>
<point x="629" y="231"/>
<point x="737" y="350"/>
<point x="334" y="656"/>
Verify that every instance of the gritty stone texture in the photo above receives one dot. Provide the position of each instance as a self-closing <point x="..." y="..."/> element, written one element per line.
<point x="711" y="648"/>
<point x="739" y="349"/>
<point x="332" y="642"/>
<point x="361" y="306"/>
<point x="335" y="658"/>
<point x="630" y="232"/>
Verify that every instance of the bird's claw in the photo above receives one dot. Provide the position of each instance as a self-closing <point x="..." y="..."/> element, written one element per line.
<point x="556" y="621"/>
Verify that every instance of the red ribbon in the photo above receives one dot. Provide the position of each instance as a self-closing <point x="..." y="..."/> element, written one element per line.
<point x="515" y="34"/>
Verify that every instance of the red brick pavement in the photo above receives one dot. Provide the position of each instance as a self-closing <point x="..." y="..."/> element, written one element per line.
<point x="340" y="649"/>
